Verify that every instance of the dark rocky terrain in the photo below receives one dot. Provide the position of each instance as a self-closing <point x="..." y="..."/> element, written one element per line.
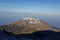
<point x="40" y="35"/>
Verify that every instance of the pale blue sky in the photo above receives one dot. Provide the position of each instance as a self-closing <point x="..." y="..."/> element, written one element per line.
<point x="45" y="7"/>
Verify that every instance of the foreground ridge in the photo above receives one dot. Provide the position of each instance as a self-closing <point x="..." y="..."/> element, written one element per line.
<point x="40" y="35"/>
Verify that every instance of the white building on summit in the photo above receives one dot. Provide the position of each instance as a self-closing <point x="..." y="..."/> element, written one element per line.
<point x="32" y="20"/>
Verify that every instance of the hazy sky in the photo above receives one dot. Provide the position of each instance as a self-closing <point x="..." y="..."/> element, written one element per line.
<point x="45" y="7"/>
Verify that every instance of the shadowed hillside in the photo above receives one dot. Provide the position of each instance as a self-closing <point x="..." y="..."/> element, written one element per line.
<point x="40" y="35"/>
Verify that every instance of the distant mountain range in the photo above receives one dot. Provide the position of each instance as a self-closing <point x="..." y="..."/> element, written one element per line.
<point x="28" y="25"/>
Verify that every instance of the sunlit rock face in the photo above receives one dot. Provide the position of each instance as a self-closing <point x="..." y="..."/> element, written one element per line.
<point x="32" y="20"/>
<point x="28" y="25"/>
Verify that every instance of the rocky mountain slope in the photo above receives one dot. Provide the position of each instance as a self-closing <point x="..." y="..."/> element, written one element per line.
<point x="28" y="25"/>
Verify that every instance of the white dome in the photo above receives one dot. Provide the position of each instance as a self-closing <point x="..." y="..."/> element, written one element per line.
<point x="32" y="20"/>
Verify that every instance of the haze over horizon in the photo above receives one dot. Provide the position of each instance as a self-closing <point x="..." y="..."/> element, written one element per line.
<point x="42" y="7"/>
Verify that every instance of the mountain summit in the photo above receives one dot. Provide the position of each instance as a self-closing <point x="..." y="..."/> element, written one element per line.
<point x="31" y="20"/>
<point x="28" y="25"/>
